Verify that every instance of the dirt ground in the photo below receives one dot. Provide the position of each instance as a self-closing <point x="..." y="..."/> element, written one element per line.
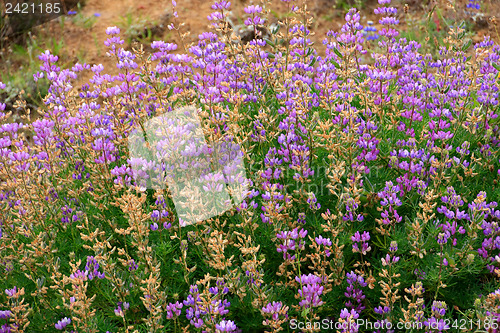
<point x="87" y="43"/>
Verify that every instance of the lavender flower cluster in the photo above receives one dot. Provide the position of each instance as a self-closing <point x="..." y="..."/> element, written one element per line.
<point x="405" y="145"/>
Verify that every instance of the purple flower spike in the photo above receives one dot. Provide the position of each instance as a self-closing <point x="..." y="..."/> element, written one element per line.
<point x="360" y="242"/>
<point x="354" y="292"/>
<point x="91" y="269"/>
<point x="310" y="291"/>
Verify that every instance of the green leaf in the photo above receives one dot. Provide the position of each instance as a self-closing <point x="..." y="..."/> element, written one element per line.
<point x="264" y="89"/>
<point x="312" y="62"/>
<point x="338" y="53"/>
<point x="466" y="46"/>
<point x="268" y="41"/>
<point x="335" y="64"/>
<point x="305" y="312"/>
<point x="449" y="258"/>
<point x="170" y="91"/>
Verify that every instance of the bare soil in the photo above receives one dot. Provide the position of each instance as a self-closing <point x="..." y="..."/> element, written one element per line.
<point x="87" y="43"/>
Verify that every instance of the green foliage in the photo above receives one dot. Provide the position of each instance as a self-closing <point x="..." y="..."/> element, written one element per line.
<point x="81" y="20"/>
<point x="135" y="28"/>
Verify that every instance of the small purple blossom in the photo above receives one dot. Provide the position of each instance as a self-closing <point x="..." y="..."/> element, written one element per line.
<point x="112" y="31"/>
<point x="5" y="314"/>
<point x="61" y="324"/>
<point x="174" y="310"/>
<point x="226" y="326"/>
<point x="11" y="292"/>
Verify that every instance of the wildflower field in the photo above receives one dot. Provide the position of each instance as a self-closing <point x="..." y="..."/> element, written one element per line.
<point x="266" y="185"/>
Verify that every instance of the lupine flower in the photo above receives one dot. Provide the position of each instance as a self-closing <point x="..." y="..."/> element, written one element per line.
<point x="323" y="241"/>
<point x="363" y="239"/>
<point x="311" y="290"/>
<point x="225" y="326"/>
<point x="61" y="324"/>
<point x="119" y="311"/>
<point x="11" y="292"/>
<point x="351" y="206"/>
<point x="390" y="201"/>
<point x="383" y="311"/>
<point x="112" y="31"/>
<point x="389" y="260"/>
<point x="92" y="267"/>
<point x="348" y="321"/>
<point x="132" y="265"/>
<point x="435" y="322"/>
<point x="5" y="314"/>
<point x="273" y="309"/>
<point x="292" y="241"/>
<point x="369" y="31"/>
<point x="354" y="292"/>
<point x="427" y="122"/>
<point x="174" y="310"/>
<point x="474" y="4"/>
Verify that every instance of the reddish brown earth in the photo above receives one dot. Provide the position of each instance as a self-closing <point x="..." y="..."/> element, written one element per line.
<point x="80" y="42"/>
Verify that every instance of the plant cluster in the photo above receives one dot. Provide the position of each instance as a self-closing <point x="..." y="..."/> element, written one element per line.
<point x="372" y="174"/>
